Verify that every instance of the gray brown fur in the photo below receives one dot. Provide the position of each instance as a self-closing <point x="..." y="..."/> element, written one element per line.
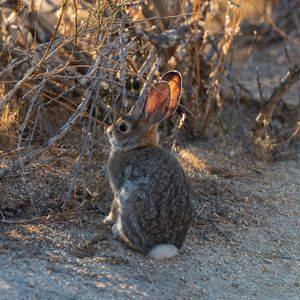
<point x="151" y="203"/>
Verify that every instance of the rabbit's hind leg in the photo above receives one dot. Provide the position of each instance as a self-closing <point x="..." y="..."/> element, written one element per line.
<point x="119" y="234"/>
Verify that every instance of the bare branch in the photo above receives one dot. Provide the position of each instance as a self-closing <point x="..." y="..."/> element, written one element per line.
<point x="264" y="116"/>
<point x="65" y="128"/>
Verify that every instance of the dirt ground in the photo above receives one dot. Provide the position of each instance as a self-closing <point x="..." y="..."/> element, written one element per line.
<point x="244" y="242"/>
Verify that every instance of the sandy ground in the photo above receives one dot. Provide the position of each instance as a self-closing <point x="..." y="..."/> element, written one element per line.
<point x="249" y="248"/>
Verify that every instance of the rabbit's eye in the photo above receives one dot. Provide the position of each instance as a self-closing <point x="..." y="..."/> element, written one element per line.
<point x="123" y="127"/>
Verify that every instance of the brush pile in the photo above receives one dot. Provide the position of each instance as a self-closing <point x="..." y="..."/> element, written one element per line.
<point x="64" y="61"/>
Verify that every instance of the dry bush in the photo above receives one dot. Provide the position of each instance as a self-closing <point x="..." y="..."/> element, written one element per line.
<point x="105" y="53"/>
<point x="65" y="61"/>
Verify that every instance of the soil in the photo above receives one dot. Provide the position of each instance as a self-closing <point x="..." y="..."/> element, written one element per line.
<point x="244" y="241"/>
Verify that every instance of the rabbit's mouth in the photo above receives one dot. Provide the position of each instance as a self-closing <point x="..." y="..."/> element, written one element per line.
<point x="113" y="142"/>
<point x="121" y="146"/>
<point x="115" y="145"/>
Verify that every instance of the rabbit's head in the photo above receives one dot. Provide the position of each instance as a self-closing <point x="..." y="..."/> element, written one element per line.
<point x="139" y="127"/>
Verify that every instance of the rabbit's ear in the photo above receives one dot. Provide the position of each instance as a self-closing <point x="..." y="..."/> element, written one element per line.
<point x="175" y="81"/>
<point x="157" y="103"/>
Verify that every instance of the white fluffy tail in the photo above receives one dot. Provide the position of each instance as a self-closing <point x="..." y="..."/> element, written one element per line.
<point x="163" y="251"/>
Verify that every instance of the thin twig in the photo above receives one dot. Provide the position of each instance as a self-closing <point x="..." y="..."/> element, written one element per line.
<point x="153" y="69"/>
<point x="219" y="231"/>
<point x="122" y="59"/>
<point x="79" y="159"/>
<point x="179" y="125"/>
<point x="259" y="86"/>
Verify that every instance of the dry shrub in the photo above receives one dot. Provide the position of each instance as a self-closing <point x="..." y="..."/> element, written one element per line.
<point x="57" y="55"/>
<point x="134" y="42"/>
<point x="64" y="61"/>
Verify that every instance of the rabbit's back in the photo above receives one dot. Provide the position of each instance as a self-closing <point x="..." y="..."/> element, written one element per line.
<point x="153" y="194"/>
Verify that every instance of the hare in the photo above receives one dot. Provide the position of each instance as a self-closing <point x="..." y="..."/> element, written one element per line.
<point x="151" y="209"/>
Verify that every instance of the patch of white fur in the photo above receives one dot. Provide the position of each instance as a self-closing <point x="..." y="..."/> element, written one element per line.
<point x="163" y="251"/>
<point x="125" y="192"/>
<point x="117" y="229"/>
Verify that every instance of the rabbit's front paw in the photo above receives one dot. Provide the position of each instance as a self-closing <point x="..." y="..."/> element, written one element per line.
<point x="109" y="219"/>
<point x="112" y="217"/>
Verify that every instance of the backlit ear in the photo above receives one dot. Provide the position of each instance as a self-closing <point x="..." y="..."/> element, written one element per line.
<point x="175" y="81"/>
<point x="158" y="101"/>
